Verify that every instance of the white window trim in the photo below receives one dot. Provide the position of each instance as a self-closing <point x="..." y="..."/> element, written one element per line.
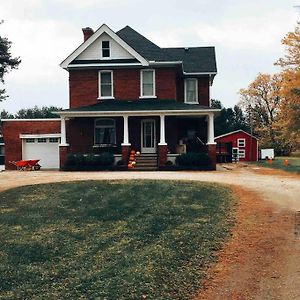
<point x="242" y="153"/>
<point x="241" y="140"/>
<point x="106" y="57"/>
<point x="185" y="91"/>
<point x="112" y="85"/>
<point x="141" y="85"/>
<point x="95" y="126"/>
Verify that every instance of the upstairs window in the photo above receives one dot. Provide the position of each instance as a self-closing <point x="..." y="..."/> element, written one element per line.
<point x="105" y="132"/>
<point x="191" y="91"/>
<point x="106" y="85"/>
<point x="147" y="84"/>
<point x="105" y="49"/>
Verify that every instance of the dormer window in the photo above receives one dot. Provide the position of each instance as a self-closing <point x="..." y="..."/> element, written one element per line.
<point x="191" y="91"/>
<point x="105" y="49"/>
<point x="147" y="84"/>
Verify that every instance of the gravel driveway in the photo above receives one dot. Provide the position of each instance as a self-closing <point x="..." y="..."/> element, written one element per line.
<point x="261" y="260"/>
<point x="283" y="189"/>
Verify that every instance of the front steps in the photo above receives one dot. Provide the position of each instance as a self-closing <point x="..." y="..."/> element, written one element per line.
<point x="146" y="162"/>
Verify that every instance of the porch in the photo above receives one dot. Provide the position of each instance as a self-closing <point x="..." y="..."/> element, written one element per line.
<point x="164" y="134"/>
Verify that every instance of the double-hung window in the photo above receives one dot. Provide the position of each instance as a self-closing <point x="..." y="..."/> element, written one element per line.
<point x="147" y="84"/>
<point x="105" y="132"/>
<point x="106" y="85"/>
<point x="105" y="49"/>
<point x="191" y="90"/>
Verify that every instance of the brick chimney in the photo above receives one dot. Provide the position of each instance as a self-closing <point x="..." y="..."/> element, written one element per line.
<point x="87" y="33"/>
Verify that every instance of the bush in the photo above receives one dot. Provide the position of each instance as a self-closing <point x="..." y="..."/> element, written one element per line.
<point x="193" y="159"/>
<point x="70" y="160"/>
<point x="105" y="159"/>
<point x="79" y="162"/>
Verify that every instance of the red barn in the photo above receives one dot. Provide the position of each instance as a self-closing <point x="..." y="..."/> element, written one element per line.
<point x="238" y="145"/>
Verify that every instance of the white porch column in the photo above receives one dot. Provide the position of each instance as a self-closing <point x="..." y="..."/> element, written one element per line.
<point x="63" y="137"/>
<point x="210" y="129"/>
<point x="162" y="141"/>
<point x="126" y="133"/>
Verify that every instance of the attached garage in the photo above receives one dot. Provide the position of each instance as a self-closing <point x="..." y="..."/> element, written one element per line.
<point x="44" y="147"/>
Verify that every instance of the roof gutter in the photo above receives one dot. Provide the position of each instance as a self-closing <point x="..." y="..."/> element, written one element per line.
<point x="202" y="112"/>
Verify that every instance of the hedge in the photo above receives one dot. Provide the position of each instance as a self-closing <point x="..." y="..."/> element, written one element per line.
<point x="89" y="162"/>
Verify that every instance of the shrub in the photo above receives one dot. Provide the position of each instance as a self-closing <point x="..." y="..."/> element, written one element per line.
<point x="70" y="160"/>
<point x="105" y="159"/>
<point x="193" y="159"/>
<point x="89" y="162"/>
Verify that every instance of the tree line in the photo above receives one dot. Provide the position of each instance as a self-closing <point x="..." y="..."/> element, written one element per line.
<point x="32" y="113"/>
<point x="272" y="101"/>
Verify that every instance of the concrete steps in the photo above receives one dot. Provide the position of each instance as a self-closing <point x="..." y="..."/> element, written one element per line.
<point x="146" y="162"/>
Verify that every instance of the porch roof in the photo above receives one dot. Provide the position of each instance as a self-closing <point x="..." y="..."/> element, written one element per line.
<point x="138" y="107"/>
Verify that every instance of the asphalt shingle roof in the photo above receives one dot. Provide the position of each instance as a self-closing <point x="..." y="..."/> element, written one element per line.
<point x="195" y="59"/>
<point x="137" y="105"/>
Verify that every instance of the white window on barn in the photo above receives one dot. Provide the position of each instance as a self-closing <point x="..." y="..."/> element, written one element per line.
<point x="241" y="142"/>
<point x="147" y="84"/>
<point x="105" y="49"/>
<point x="242" y="153"/>
<point x="191" y="90"/>
<point x="105" y="132"/>
<point x="106" y="85"/>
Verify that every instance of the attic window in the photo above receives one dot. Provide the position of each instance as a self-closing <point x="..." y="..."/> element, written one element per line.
<point x="105" y="49"/>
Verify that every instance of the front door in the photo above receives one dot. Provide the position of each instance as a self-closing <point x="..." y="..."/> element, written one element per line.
<point x="148" y="142"/>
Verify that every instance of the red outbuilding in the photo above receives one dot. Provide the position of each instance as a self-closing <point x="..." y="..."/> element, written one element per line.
<point x="236" y="145"/>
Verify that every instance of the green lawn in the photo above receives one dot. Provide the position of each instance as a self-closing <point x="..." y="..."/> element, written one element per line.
<point x="278" y="163"/>
<point x="110" y="240"/>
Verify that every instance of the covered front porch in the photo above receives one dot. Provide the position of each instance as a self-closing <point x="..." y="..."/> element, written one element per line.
<point x="164" y="134"/>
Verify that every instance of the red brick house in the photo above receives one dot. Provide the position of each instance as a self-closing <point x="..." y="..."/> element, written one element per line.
<point x="128" y="93"/>
<point x="239" y="145"/>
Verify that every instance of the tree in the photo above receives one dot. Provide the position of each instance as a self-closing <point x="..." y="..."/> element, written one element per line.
<point x="7" y="62"/>
<point x="291" y="41"/>
<point x="6" y="115"/>
<point x="262" y="100"/>
<point x="229" y="119"/>
<point x="37" y="113"/>
<point x="289" y="121"/>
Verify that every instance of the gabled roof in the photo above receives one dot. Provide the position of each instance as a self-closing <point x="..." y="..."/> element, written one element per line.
<point x="194" y="60"/>
<point x="233" y="132"/>
<point x="88" y="42"/>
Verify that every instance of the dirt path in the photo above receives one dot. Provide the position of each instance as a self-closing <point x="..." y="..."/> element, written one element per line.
<point x="261" y="260"/>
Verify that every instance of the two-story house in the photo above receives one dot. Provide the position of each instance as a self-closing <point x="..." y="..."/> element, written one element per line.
<point x="128" y="93"/>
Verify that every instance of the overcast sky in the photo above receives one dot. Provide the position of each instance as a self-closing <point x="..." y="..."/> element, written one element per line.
<point x="247" y="36"/>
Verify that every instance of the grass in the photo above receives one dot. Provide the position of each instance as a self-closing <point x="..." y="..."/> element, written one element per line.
<point x="278" y="163"/>
<point x="110" y="240"/>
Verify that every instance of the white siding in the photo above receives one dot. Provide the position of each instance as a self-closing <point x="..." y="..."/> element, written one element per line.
<point x="94" y="50"/>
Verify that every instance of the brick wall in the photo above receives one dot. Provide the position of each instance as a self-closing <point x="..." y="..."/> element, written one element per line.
<point x="11" y="135"/>
<point x="203" y="90"/>
<point x="84" y="85"/>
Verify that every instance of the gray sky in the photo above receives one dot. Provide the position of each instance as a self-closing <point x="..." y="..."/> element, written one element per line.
<point x="247" y="36"/>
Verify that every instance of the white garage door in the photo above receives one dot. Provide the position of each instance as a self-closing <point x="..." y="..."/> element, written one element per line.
<point x="45" y="149"/>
